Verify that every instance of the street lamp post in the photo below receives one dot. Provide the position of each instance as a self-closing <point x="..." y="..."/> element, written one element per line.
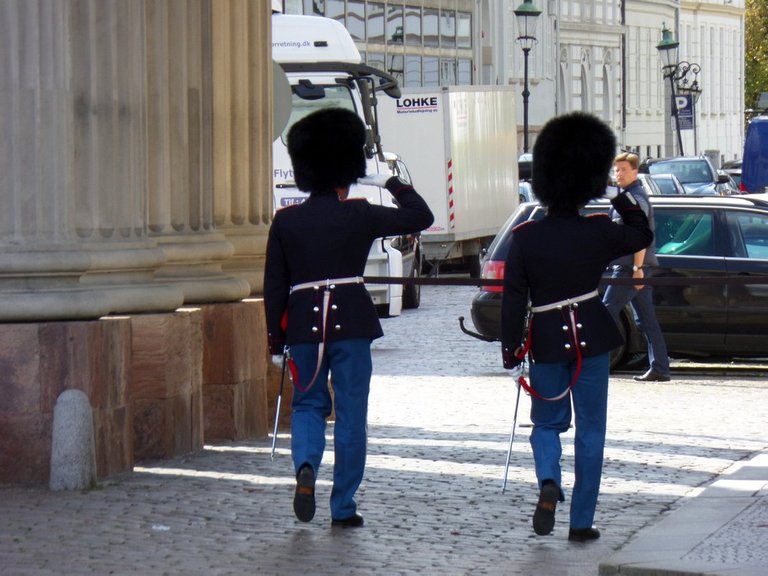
<point x="668" y="50"/>
<point x="683" y="79"/>
<point x="527" y="16"/>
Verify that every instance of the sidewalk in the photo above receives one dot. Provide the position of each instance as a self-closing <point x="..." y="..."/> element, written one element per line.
<point x="722" y="531"/>
<point x="431" y="499"/>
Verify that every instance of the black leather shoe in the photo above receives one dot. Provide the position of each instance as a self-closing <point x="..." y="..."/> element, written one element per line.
<point x="544" y="516"/>
<point x="653" y="376"/>
<point x="304" y="497"/>
<point x="583" y="534"/>
<point x="354" y="521"/>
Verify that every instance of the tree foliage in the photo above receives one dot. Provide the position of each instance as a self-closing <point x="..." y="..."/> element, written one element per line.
<point x="756" y="51"/>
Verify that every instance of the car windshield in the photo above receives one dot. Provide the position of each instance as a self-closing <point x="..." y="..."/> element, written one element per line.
<point x="666" y="185"/>
<point x="688" y="172"/>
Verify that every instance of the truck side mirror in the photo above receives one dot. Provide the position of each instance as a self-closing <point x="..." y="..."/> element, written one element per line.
<point x="390" y="89"/>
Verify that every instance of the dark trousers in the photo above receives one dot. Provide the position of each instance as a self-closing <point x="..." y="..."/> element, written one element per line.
<point x="616" y="297"/>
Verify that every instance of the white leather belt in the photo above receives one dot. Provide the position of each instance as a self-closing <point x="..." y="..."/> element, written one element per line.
<point x="329" y="283"/>
<point x="563" y="303"/>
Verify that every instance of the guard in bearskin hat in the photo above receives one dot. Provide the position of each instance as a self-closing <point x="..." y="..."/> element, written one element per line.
<point x="551" y="277"/>
<point x="318" y="310"/>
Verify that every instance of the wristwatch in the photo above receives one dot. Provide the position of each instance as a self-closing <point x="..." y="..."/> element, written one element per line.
<point x="635" y="268"/>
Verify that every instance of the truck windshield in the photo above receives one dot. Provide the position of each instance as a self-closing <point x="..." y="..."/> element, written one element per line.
<point x="333" y="96"/>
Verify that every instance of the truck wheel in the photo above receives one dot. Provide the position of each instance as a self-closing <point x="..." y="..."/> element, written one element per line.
<point x="475" y="268"/>
<point x="412" y="293"/>
<point x="382" y="310"/>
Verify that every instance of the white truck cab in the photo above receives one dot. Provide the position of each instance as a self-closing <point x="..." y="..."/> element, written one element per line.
<point x="324" y="69"/>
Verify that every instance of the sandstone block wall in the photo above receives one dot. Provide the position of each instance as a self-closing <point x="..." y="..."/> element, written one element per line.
<point x="38" y="361"/>
<point x="159" y="385"/>
<point x="167" y="383"/>
<point x="235" y="371"/>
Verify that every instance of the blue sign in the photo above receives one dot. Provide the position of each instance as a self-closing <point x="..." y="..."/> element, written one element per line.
<point x="685" y="112"/>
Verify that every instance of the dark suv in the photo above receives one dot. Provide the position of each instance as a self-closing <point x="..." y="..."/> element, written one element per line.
<point x="696" y="174"/>
<point x="695" y="236"/>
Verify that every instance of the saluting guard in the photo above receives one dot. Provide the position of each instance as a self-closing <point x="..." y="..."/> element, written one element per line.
<point x="318" y="310"/>
<point x="553" y="269"/>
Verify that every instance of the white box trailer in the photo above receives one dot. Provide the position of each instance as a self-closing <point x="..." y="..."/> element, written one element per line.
<point x="323" y="68"/>
<point x="460" y="146"/>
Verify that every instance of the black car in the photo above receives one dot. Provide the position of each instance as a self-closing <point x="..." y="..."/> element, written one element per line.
<point x="695" y="237"/>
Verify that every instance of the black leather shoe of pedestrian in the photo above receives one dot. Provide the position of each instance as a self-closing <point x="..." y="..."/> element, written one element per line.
<point x="652" y="376"/>
<point x="354" y="521"/>
<point x="583" y="534"/>
<point x="544" y="516"/>
<point x="304" y="497"/>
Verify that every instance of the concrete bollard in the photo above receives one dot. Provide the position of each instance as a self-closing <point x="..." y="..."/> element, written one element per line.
<point x="73" y="450"/>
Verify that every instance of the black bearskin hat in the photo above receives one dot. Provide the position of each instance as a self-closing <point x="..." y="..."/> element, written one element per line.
<point x="326" y="149"/>
<point x="572" y="156"/>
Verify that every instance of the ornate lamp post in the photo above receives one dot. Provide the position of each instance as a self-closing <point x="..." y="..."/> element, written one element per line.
<point x="683" y="79"/>
<point x="527" y="16"/>
<point x="668" y="50"/>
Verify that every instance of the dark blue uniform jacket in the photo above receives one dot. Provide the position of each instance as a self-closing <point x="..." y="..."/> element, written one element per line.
<point x="325" y="238"/>
<point x="563" y="256"/>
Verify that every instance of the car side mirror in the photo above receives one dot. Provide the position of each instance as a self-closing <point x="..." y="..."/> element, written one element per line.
<point x="722" y="179"/>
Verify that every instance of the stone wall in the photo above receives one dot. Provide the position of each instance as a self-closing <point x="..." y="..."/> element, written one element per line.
<point x="38" y="361"/>
<point x="159" y="385"/>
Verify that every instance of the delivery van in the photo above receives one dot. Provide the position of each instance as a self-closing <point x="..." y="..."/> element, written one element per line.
<point x="460" y="145"/>
<point x="754" y="167"/>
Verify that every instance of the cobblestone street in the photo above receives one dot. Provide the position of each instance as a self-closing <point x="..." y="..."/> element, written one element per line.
<point x="440" y="417"/>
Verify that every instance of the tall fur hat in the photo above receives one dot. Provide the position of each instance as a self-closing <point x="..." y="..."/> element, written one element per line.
<point x="571" y="160"/>
<point x="326" y="149"/>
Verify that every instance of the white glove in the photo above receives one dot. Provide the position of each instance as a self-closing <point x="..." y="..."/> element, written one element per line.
<point x="277" y="360"/>
<point x="516" y="372"/>
<point x="611" y="192"/>
<point x="379" y="180"/>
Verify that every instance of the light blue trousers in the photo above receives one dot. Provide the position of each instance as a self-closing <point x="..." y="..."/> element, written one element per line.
<point x="550" y="419"/>
<point x="349" y="363"/>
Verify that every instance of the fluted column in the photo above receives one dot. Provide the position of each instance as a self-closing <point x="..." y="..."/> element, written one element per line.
<point x="179" y="141"/>
<point x="73" y="236"/>
<point x="242" y="129"/>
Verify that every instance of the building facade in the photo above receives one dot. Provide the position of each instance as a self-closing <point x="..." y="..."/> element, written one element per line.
<point x="598" y="56"/>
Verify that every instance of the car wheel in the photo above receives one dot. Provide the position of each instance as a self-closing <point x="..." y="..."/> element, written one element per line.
<point x="412" y="292"/>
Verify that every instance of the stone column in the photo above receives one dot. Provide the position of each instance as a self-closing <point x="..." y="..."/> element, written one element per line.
<point x="242" y="132"/>
<point x="73" y="237"/>
<point x="179" y="159"/>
